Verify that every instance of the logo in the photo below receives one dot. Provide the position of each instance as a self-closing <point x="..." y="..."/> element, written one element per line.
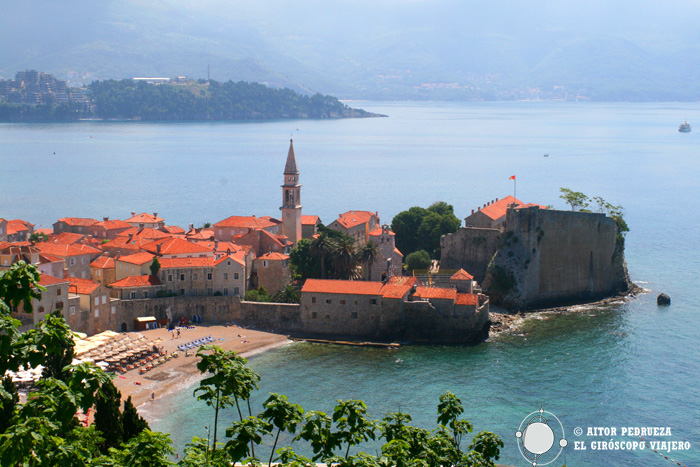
<point x="541" y="438"/>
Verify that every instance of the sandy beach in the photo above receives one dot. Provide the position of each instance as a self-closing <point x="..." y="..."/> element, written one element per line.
<point x="178" y="371"/>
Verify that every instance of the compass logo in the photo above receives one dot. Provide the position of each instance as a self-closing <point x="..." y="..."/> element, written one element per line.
<point x="541" y="438"/>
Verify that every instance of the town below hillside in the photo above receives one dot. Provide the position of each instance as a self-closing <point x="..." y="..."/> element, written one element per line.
<point x="40" y="97"/>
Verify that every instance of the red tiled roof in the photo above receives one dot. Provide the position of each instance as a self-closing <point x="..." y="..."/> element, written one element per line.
<point x="17" y="248"/>
<point x="271" y="219"/>
<point x="377" y="232"/>
<point x="273" y="256"/>
<point x="249" y="222"/>
<point x="467" y="299"/>
<point x="66" y="250"/>
<point x="309" y="220"/>
<point x="174" y="229"/>
<point x="144" y="218"/>
<point x="462" y="275"/>
<point x="203" y="234"/>
<point x="237" y="258"/>
<point x="65" y="238"/>
<point x="281" y="240"/>
<point x="113" y="224"/>
<point x="43" y="231"/>
<point x="17" y="225"/>
<point x="46" y="258"/>
<point x="529" y="205"/>
<point x="136" y="281"/>
<point x="147" y="233"/>
<point x="404" y="280"/>
<point x="138" y="258"/>
<point x="395" y="291"/>
<point x="396" y="250"/>
<point x="103" y="262"/>
<point x="170" y="263"/>
<point x="222" y="246"/>
<point x="78" y="221"/>
<point x="47" y="280"/>
<point x="342" y="287"/>
<point x="82" y="286"/>
<point x="175" y="246"/>
<point x="499" y="208"/>
<point x="435" y="292"/>
<point x="353" y="218"/>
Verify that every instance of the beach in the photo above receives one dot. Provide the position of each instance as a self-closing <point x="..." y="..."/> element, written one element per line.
<point x="181" y="371"/>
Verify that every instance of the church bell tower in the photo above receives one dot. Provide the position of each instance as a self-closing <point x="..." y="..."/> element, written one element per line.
<point x="291" y="198"/>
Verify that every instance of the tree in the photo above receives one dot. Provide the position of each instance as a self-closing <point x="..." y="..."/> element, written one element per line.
<point x="155" y="266"/>
<point x="577" y="200"/>
<point x="132" y="422"/>
<point x="38" y="237"/>
<point x="283" y="415"/>
<point x="421" y="229"/>
<point x="303" y="262"/>
<point x="322" y="246"/>
<point x="343" y="259"/>
<point x="367" y="255"/>
<point x="289" y="294"/>
<point x="108" y="418"/>
<point x="418" y="260"/>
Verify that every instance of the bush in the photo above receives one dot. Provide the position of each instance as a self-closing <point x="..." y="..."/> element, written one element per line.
<point x="418" y="260"/>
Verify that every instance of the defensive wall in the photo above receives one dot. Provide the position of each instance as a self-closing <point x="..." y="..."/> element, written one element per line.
<point x="470" y="248"/>
<point x="549" y="258"/>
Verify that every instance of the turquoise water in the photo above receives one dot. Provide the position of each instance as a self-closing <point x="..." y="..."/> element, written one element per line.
<point x="627" y="365"/>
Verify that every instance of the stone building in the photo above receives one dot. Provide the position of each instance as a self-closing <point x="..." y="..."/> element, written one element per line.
<point x="235" y="226"/>
<point x="137" y="287"/>
<point x="309" y="226"/>
<point x="145" y="220"/>
<point x="10" y="253"/>
<point x="291" y="199"/>
<point x="79" y="225"/>
<point x="55" y="297"/>
<point x="356" y="224"/>
<point x="390" y="263"/>
<point x="133" y="265"/>
<point x="103" y="270"/>
<point x="175" y="247"/>
<point x="108" y="229"/>
<point x="95" y="308"/>
<point x="18" y="230"/>
<point x="271" y="271"/>
<point x="77" y="257"/>
<point x="203" y="276"/>
<point x="262" y="241"/>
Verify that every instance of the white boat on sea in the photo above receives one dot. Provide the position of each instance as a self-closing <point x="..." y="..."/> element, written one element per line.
<point x="685" y="127"/>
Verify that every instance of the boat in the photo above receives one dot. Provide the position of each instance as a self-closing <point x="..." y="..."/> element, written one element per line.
<point x="685" y="127"/>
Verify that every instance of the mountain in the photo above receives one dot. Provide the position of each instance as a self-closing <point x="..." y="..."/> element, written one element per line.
<point x="376" y="49"/>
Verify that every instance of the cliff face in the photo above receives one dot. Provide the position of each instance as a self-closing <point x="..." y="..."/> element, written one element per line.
<point x="550" y="258"/>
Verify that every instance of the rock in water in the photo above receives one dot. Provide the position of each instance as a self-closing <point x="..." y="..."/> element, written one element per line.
<point x="663" y="299"/>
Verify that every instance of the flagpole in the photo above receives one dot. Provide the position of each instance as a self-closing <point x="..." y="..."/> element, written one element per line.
<point x="514" y="185"/>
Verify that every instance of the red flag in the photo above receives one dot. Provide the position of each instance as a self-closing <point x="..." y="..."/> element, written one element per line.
<point x="512" y="177"/>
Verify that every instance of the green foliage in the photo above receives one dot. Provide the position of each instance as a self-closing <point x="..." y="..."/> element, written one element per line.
<point x="289" y="294"/>
<point x="132" y="422"/>
<point x="257" y="295"/>
<point x="127" y="99"/>
<point x="155" y="266"/>
<point x="421" y="229"/>
<point x="577" y="200"/>
<point x="303" y="263"/>
<point x="147" y="449"/>
<point x="331" y="254"/>
<point x="38" y="237"/>
<point x="108" y="418"/>
<point x="418" y="260"/>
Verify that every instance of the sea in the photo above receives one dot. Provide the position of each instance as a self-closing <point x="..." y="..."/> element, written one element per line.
<point x="626" y="366"/>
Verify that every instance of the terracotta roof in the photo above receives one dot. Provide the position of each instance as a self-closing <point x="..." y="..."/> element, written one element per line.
<point x="65" y="238"/>
<point x="46" y="280"/>
<point x="17" y="248"/>
<point x="147" y="233"/>
<point x="174" y="229"/>
<point x="271" y="219"/>
<point x="342" y="287"/>
<point x="462" y="275"/>
<point x="136" y="281"/>
<point x="309" y="220"/>
<point x="78" y="221"/>
<point x="66" y="250"/>
<point x="353" y="218"/>
<point x="395" y="291"/>
<point x="124" y="243"/>
<point x="273" y="256"/>
<point x="171" y="263"/>
<point x="138" y="258"/>
<point x="103" y="262"/>
<point x="46" y="258"/>
<point x="467" y="299"/>
<point x="144" y="218"/>
<point x="404" y="280"/>
<point x="529" y="205"/>
<point x="256" y="235"/>
<point x="396" y="250"/>
<point x="249" y="222"/>
<point x="435" y="292"/>
<point x="237" y="258"/>
<point x="113" y="224"/>
<point x="175" y="246"/>
<point x="499" y="208"/>
<point x="17" y="225"/>
<point x="203" y="234"/>
<point x="222" y="246"/>
<point x="82" y="286"/>
<point x="378" y="232"/>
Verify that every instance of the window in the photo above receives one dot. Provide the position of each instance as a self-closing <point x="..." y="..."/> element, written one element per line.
<point x="170" y="277"/>
<point x="195" y="277"/>
<point x="328" y="316"/>
<point x="72" y="310"/>
<point x="104" y="299"/>
<point x="313" y="299"/>
<point x="353" y="315"/>
<point x="225" y="291"/>
<point x="114" y="309"/>
<point x="84" y="274"/>
<point x="58" y="292"/>
<point x="225" y="276"/>
<point x="264" y="263"/>
<point x="236" y="291"/>
<point x="132" y="295"/>
<point x="4" y="262"/>
<point x="314" y="315"/>
<point x="41" y="309"/>
<point x="182" y="277"/>
<point x="145" y="294"/>
<point x="97" y="313"/>
<point x="355" y="302"/>
<point x="208" y="276"/>
<point x="328" y="301"/>
<point x="97" y="301"/>
<point x="72" y="261"/>
<point x="342" y="302"/>
<point x="235" y="275"/>
<point x="209" y="291"/>
<point x="182" y="291"/>
<point x="373" y="301"/>
<point x="98" y="273"/>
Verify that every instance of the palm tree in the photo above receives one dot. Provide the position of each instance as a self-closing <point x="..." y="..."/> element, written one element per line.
<point x="322" y="246"/>
<point x="344" y="259"/>
<point x="367" y="255"/>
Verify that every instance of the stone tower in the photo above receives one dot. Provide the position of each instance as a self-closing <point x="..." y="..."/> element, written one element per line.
<point x="291" y="198"/>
